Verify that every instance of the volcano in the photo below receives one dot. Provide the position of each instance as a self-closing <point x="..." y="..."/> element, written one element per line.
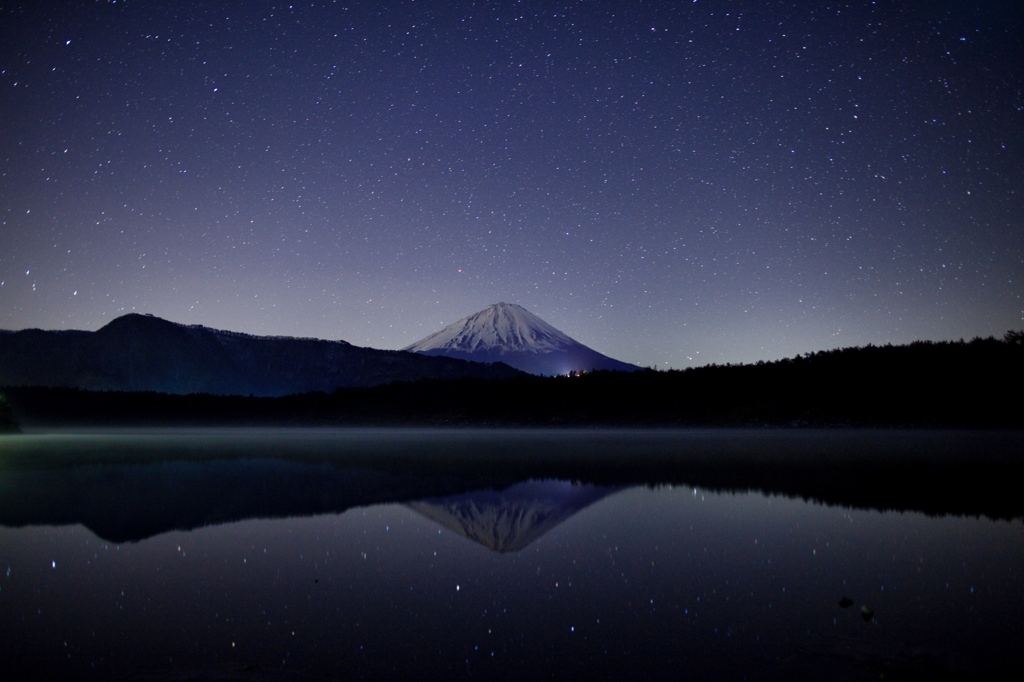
<point x="509" y="333"/>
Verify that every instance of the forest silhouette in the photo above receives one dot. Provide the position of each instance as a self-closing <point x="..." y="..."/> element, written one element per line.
<point x="964" y="384"/>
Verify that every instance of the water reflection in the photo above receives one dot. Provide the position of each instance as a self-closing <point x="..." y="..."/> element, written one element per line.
<point x="645" y="583"/>
<point x="508" y="520"/>
<point x="128" y="503"/>
<point x="131" y="486"/>
<point x="268" y="568"/>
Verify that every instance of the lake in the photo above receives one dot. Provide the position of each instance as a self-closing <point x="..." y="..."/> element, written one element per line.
<point x="512" y="554"/>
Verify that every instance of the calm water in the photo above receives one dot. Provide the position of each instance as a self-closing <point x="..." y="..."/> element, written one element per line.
<point x="183" y="557"/>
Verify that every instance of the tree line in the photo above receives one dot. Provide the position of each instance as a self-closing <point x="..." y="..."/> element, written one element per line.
<point x="972" y="384"/>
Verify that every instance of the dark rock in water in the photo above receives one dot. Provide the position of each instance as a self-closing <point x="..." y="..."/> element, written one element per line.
<point x="866" y="613"/>
<point x="146" y="353"/>
<point x="845" y="603"/>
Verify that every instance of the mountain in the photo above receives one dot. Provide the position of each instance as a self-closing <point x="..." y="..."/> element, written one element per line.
<point x="146" y="353"/>
<point x="509" y="520"/>
<point x="506" y="332"/>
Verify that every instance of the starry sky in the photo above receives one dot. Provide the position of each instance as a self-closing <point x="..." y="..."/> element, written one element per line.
<point x="670" y="183"/>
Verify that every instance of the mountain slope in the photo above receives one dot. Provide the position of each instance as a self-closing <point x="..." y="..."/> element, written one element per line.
<point x="146" y="353"/>
<point x="506" y="332"/>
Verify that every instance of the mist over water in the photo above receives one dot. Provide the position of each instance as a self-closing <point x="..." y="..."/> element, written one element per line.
<point x="233" y="567"/>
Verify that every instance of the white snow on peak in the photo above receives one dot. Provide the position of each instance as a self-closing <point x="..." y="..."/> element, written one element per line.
<point x="504" y="327"/>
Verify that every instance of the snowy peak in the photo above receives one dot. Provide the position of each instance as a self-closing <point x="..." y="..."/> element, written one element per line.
<point x="503" y="327"/>
<point x="505" y="332"/>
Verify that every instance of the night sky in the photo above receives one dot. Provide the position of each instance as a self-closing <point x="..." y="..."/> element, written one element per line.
<point x="670" y="183"/>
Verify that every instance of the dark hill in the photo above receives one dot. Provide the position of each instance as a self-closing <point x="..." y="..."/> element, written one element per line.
<point x="146" y="353"/>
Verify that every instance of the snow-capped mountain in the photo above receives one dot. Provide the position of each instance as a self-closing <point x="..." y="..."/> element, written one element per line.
<point x="509" y="333"/>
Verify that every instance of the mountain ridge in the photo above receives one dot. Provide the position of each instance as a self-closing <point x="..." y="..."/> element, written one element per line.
<point x="146" y="353"/>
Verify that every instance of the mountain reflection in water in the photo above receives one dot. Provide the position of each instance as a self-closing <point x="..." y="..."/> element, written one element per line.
<point x="508" y="520"/>
<point x="128" y="503"/>
<point x="275" y="556"/>
<point x="131" y="485"/>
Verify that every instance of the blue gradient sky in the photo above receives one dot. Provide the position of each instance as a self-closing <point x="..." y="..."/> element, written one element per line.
<point x="670" y="183"/>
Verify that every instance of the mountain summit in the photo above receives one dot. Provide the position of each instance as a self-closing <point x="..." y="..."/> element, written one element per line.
<point x="506" y="332"/>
